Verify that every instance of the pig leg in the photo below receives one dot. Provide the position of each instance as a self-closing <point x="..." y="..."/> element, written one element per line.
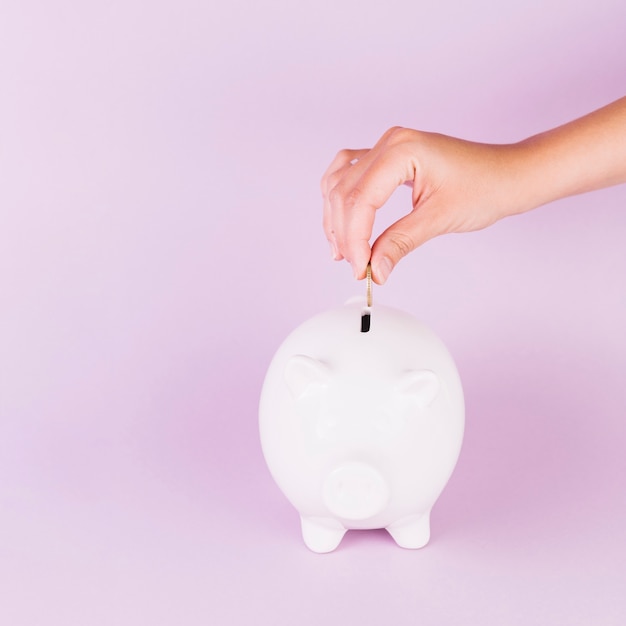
<point x="321" y="534"/>
<point x="412" y="531"/>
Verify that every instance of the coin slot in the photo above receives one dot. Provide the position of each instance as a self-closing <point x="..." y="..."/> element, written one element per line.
<point x="366" y="319"/>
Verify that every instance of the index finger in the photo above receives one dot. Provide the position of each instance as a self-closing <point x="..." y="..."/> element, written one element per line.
<point x="340" y="164"/>
<point x="354" y="206"/>
<point x="342" y="158"/>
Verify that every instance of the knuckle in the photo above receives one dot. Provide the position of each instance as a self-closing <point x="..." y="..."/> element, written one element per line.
<point x="340" y="199"/>
<point x="344" y="155"/>
<point x="398" y="135"/>
<point x="333" y="179"/>
<point x="394" y="130"/>
<point x="335" y="197"/>
<point x="402" y="243"/>
<point x="353" y="197"/>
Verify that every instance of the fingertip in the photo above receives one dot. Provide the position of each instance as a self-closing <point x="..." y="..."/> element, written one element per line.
<point x="381" y="269"/>
<point x="359" y="274"/>
<point x="394" y="244"/>
<point x="359" y="259"/>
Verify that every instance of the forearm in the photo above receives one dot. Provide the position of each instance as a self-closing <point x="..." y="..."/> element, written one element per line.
<point x="585" y="154"/>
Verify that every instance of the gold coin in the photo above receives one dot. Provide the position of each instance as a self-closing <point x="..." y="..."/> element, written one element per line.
<point x="369" y="285"/>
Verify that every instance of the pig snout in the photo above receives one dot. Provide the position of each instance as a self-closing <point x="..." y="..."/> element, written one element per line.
<point x="355" y="491"/>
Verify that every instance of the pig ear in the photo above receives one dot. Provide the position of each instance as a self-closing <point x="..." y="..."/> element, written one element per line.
<point x="303" y="373"/>
<point x="421" y="385"/>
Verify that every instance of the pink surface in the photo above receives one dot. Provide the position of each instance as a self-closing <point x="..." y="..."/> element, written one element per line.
<point x="161" y="234"/>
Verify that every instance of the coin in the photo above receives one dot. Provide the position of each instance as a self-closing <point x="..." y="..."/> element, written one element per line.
<point x="369" y="284"/>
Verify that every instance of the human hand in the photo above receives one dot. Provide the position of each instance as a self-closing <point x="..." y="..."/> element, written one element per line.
<point x="457" y="185"/>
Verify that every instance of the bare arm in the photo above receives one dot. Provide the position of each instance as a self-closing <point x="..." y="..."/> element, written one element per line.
<point x="586" y="154"/>
<point x="459" y="185"/>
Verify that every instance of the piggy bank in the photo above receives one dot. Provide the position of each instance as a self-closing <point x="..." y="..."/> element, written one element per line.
<point x="361" y="424"/>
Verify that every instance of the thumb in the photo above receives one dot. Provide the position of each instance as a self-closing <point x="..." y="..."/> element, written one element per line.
<point x="397" y="241"/>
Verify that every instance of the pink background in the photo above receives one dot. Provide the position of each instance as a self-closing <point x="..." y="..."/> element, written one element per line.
<point x="161" y="234"/>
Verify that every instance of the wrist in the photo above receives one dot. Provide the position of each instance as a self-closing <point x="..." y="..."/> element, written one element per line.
<point x="538" y="174"/>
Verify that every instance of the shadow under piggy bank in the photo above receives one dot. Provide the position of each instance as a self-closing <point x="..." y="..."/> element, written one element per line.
<point x="361" y="424"/>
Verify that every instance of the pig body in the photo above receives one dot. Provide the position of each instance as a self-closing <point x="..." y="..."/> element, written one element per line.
<point x="362" y="430"/>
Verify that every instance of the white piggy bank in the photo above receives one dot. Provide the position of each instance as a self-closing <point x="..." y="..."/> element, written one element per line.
<point x="362" y="428"/>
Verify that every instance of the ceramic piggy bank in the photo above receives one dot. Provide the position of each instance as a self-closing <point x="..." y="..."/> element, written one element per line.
<point x="361" y="424"/>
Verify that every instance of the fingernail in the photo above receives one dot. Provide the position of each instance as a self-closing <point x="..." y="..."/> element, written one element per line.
<point x="333" y="250"/>
<point x="383" y="269"/>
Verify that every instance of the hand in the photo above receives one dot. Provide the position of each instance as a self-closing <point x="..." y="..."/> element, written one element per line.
<point x="460" y="185"/>
<point x="457" y="186"/>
